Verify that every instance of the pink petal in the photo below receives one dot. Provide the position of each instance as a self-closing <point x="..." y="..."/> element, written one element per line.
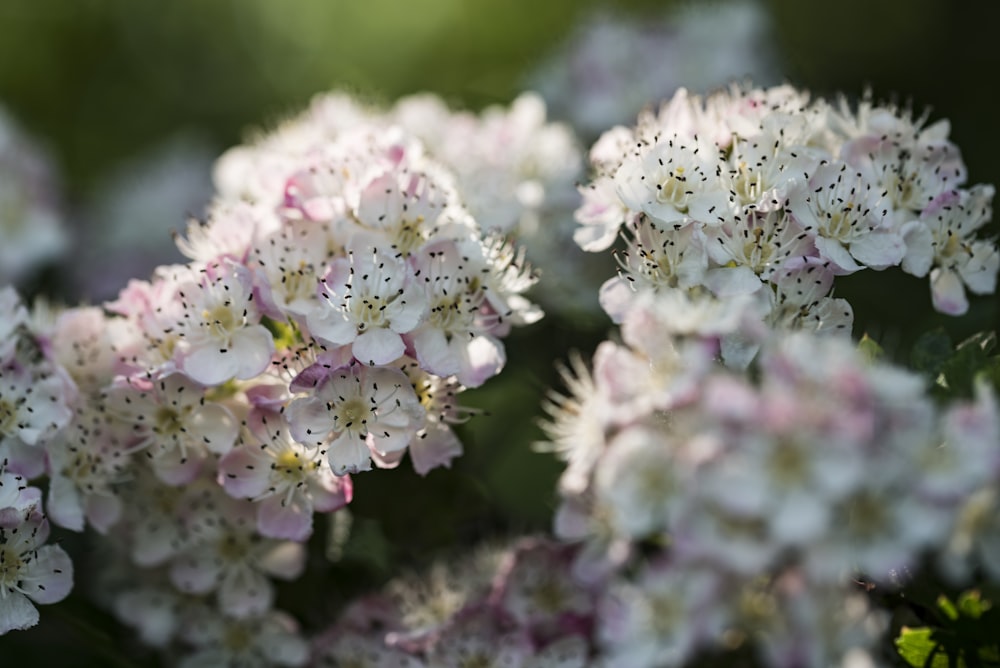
<point x="290" y="521"/>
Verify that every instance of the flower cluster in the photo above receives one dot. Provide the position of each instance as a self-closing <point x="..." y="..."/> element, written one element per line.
<point x="34" y="406"/>
<point x="333" y="309"/>
<point x="768" y="193"/>
<point x="765" y="494"/>
<point x="512" y="171"/>
<point x="32" y="231"/>
<point x="592" y="81"/>
<point x="512" y="607"/>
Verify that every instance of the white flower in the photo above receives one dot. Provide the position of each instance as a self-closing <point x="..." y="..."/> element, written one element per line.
<point x="30" y="571"/>
<point x="170" y="419"/>
<point x="845" y="212"/>
<point x="944" y="237"/>
<point x="355" y="412"/>
<point x="286" y="480"/>
<point x="221" y="337"/>
<point x="367" y="301"/>
<point x="674" y="181"/>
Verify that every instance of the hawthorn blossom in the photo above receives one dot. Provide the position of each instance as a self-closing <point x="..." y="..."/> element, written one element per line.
<point x="169" y="418"/>
<point x="30" y="571"/>
<point x="727" y="191"/>
<point x="258" y="641"/>
<point x="368" y="301"/>
<point x="845" y="213"/>
<point x="220" y="332"/>
<point x="223" y="553"/>
<point x="454" y="339"/>
<point x="287" y="480"/>
<point x="32" y="229"/>
<point x="355" y="413"/>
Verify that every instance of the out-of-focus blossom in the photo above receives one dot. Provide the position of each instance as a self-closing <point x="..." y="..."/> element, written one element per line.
<point x="32" y="226"/>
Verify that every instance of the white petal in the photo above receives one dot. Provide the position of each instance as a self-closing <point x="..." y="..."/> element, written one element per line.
<point x="919" y="248"/>
<point x="834" y="251"/>
<point x="378" y="346"/>
<point x="879" y="250"/>
<point x="244" y="592"/>
<point x="65" y="508"/>
<point x="49" y="576"/>
<point x="331" y="325"/>
<point x="206" y="364"/>
<point x="214" y="426"/>
<point x="253" y="347"/>
<point x="349" y="454"/>
<point x="947" y="292"/>
<point x="730" y="281"/>
<point x="16" y="613"/>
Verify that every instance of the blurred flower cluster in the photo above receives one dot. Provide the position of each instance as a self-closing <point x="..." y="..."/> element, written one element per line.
<point x="32" y="228"/>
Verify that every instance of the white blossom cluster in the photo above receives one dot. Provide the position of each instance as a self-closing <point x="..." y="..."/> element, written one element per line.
<point x="34" y="406"/>
<point x="718" y="506"/>
<point x="513" y="171"/>
<point x="334" y="307"/>
<point x="765" y="192"/>
<point x="517" y="606"/>
<point x="592" y="79"/>
<point x="32" y="229"/>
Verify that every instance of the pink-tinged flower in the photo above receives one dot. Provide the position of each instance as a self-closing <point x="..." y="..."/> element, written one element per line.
<point x="34" y="404"/>
<point x="435" y="444"/>
<point x="30" y="571"/>
<point x="453" y="339"/>
<point x="286" y="480"/>
<point x="601" y="215"/>
<point x="290" y="261"/>
<point x="171" y="420"/>
<point x="87" y="343"/>
<point x="943" y="240"/>
<point x="476" y="637"/>
<point x="535" y="587"/>
<point x="660" y="257"/>
<point x="151" y="524"/>
<point x="912" y="165"/>
<point x="845" y="213"/>
<point x="151" y="312"/>
<point x="86" y="462"/>
<point x="223" y="553"/>
<point x="368" y="300"/>
<point x="229" y="230"/>
<point x="267" y="639"/>
<point x="404" y="210"/>
<point x="221" y="337"/>
<point x="356" y="412"/>
<point x="750" y="248"/>
<point x="153" y="611"/>
<point x="674" y="181"/>
<point x="662" y="618"/>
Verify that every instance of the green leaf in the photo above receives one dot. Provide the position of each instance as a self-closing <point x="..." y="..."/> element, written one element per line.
<point x="947" y="607"/>
<point x="919" y="649"/>
<point x="972" y="605"/>
<point x="870" y="348"/>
